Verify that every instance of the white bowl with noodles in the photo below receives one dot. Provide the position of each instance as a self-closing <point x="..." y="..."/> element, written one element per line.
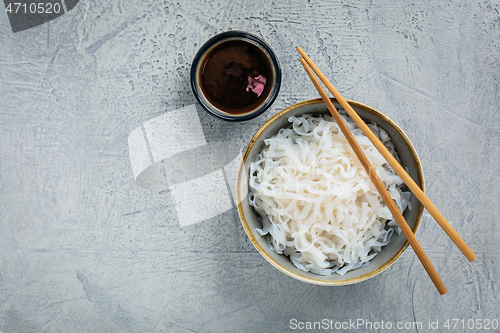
<point x="250" y="218"/>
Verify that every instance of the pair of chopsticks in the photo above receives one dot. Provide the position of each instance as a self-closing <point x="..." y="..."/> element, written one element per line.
<point x="414" y="188"/>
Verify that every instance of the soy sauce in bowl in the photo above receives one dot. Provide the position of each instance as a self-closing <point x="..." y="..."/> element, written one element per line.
<point x="235" y="76"/>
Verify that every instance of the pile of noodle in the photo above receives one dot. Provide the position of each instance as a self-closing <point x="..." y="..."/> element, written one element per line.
<point x="316" y="203"/>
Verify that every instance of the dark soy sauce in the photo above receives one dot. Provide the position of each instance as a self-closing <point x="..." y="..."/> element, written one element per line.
<point x="236" y="77"/>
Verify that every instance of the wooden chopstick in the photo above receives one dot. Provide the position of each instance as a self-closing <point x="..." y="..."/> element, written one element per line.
<point x="379" y="186"/>
<point x="414" y="188"/>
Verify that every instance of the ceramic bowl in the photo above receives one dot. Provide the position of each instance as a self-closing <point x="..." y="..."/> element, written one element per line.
<point x="251" y="41"/>
<point x="390" y="253"/>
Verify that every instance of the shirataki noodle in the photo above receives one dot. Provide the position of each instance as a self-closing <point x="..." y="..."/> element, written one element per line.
<point x="316" y="203"/>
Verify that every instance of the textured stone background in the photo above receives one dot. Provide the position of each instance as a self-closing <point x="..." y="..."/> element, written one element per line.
<point x="83" y="249"/>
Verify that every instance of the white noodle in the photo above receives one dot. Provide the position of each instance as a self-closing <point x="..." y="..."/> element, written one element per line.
<point x="316" y="203"/>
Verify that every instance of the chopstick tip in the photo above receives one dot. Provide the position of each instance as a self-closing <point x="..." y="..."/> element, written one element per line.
<point x="304" y="63"/>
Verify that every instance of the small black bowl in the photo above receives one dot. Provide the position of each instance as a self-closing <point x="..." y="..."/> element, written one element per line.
<point x="265" y="96"/>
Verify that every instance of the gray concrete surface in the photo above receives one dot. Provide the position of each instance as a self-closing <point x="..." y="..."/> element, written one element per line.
<point x="84" y="249"/>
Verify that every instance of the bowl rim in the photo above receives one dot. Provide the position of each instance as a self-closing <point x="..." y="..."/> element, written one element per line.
<point x="250" y="38"/>
<point x="297" y="274"/>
